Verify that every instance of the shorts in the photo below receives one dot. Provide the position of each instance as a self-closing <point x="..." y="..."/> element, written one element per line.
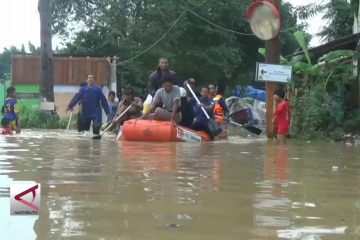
<point x="13" y="125"/>
<point x="283" y="129"/>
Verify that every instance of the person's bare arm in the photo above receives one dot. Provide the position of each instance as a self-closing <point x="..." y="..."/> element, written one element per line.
<point x="177" y="96"/>
<point x="175" y="108"/>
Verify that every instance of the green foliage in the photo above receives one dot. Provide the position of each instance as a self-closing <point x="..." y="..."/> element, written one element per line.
<point x="320" y="109"/>
<point x="194" y="47"/>
<point x="338" y="16"/>
<point x="34" y="118"/>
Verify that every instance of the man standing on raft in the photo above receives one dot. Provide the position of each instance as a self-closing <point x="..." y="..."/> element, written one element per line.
<point x="169" y="96"/>
<point x="92" y="99"/>
<point x="155" y="77"/>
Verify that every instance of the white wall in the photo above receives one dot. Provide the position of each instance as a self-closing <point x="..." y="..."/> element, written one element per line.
<point x="64" y="94"/>
<point x="66" y="89"/>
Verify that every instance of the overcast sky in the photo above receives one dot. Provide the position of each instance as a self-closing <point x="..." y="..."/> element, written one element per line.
<point x="19" y="21"/>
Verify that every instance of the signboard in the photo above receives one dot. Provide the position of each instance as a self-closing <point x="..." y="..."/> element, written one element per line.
<point x="187" y="136"/>
<point x="25" y="199"/>
<point x="273" y="73"/>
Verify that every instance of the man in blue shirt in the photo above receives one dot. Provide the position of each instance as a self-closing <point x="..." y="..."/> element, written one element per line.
<point x="201" y="122"/>
<point x="92" y="99"/>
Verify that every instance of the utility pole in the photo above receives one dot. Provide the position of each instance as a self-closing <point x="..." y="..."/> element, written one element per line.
<point x="272" y="56"/>
<point x="122" y="82"/>
<point x="46" y="83"/>
<point x="113" y="75"/>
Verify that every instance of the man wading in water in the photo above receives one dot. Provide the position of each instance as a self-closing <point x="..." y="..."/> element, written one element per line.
<point x="92" y="99"/>
<point x="155" y="78"/>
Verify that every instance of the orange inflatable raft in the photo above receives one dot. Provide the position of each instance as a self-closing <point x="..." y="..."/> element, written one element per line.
<point x="161" y="131"/>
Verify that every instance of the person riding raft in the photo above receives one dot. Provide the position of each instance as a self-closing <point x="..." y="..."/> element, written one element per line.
<point x="169" y="96"/>
<point x="221" y="112"/>
<point x="155" y="77"/>
<point x="92" y="99"/>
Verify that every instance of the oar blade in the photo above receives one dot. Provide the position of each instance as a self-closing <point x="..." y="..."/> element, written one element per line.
<point x="97" y="137"/>
<point x="253" y="130"/>
<point x="214" y="127"/>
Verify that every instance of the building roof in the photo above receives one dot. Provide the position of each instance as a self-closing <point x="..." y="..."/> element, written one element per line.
<point x="348" y="42"/>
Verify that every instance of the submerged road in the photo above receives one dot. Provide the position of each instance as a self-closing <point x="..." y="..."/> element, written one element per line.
<point x="237" y="189"/>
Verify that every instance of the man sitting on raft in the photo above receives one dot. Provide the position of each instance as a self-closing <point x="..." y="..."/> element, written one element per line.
<point x="201" y="122"/>
<point x="169" y="97"/>
<point x="133" y="112"/>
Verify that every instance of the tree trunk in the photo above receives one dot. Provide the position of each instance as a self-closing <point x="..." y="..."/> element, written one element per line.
<point x="46" y="56"/>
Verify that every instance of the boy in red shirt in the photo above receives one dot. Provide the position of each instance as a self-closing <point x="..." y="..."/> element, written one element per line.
<point x="282" y="115"/>
<point x="5" y="130"/>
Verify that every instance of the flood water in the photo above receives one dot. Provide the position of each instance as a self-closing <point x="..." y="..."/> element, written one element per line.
<point x="240" y="189"/>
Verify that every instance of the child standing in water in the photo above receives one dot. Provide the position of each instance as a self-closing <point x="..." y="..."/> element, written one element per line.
<point x="11" y="110"/>
<point x="282" y="115"/>
<point x="113" y="105"/>
<point x="5" y="130"/>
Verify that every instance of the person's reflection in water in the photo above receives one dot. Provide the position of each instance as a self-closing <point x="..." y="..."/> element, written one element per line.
<point x="281" y="171"/>
<point x="271" y="202"/>
<point x="154" y="164"/>
<point x="150" y="157"/>
<point x="210" y="175"/>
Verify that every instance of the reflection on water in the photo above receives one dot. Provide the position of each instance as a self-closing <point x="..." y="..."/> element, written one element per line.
<point x="240" y="189"/>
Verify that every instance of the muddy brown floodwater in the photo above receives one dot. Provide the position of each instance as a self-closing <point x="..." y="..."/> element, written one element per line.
<point x="241" y="189"/>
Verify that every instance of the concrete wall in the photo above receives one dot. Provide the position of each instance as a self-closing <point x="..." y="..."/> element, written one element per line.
<point x="63" y="95"/>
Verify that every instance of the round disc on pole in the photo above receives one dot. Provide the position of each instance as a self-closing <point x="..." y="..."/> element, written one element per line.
<point x="264" y="20"/>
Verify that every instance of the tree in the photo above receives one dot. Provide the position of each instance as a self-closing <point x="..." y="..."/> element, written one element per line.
<point x="46" y="86"/>
<point x="338" y="16"/>
<point x="5" y="61"/>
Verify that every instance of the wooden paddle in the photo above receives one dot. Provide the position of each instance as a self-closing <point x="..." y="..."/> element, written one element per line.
<point x="98" y="137"/>
<point x="214" y="127"/>
<point x="251" y="129"/>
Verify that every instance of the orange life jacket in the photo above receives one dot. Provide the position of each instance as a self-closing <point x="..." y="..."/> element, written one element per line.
<point x="218" y="110"/>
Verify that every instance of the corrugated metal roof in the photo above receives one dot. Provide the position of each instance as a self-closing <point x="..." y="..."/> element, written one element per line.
<point x="348" y="42"/>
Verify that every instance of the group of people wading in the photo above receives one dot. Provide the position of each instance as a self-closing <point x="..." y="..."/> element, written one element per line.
<point x="170" y="102"/>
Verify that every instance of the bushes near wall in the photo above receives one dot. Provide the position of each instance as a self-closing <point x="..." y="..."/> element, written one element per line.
<point x="35" y="118"/>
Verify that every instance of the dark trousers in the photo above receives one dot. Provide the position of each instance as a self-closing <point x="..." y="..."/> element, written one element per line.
<point x="187" y="113"/>
<point x="96" y="125"/>
<point x="199" y="126"/>
<point x="80" y="123"/>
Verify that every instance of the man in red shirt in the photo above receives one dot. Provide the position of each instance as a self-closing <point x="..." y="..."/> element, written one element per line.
<point x="282" y="115"/>
<point x="5" y="130"/>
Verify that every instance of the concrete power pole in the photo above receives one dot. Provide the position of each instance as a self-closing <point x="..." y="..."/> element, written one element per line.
<point x="272" y="56"/>
<point x="113" y="77"/>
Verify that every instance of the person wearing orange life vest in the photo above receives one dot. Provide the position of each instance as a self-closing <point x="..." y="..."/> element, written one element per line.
<point x="220" y="108"/>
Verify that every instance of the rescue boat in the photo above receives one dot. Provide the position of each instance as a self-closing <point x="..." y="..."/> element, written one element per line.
<point x="161" y="131"/>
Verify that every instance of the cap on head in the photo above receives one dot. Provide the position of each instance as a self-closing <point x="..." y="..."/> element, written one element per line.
<point x="192" y="81"/>
<point x="128" y="91"/>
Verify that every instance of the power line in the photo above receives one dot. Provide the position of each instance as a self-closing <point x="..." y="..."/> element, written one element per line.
<point x="197" y="15"/>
